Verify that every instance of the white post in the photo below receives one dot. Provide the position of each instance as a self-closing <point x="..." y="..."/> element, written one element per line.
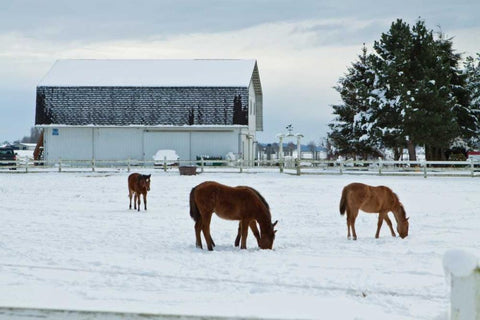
<point x="280" y="148"/>
<point x="299" y="147"/>
<point x="472" y="167"/>
<point x="165" y="163"/>
<point x="380" y="166"/>
<point x="280" y="153"/>
<point x="128" y="170"/>
<point x="297" y="164"/>
<point x="464" y="271"/>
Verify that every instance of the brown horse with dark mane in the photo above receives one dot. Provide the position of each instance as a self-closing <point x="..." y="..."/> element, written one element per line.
<point x="232" y="203"/>
<point x="381" y="200"/>
<point x="138" y="184"/>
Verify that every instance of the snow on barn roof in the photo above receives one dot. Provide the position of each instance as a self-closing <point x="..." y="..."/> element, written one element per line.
<point x="149" y="73"/>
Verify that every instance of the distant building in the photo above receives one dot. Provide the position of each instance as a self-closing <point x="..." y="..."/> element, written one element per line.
<point x="24" y="146"/>
<point x="120" y="109"/>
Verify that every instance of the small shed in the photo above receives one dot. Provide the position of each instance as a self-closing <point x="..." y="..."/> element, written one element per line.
<point x="130" y="109"/>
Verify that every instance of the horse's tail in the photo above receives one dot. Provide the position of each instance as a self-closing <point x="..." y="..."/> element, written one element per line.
<point x="343" y="201"/>
<point x="194" y="213"/>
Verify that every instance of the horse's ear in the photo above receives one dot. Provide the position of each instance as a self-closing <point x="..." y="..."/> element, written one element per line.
<point x="275" y="231"/>
<point x="407" y="218"/>
<point x="149" y="175"/>
<point x="274" y="224"/>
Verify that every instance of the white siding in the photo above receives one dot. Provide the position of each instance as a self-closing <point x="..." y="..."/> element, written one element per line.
<point x="139" y="143"/>
<point x="68" y="143"/>
<point x="118" y="143"/>
<point x="214" y="143"/>
<point x="252" y="106"/>
<point x="173" y="140"/>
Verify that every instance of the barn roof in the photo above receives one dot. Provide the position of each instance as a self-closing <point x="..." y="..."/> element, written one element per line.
<point x="150" y="73"/>
<point x="149" y="92"/>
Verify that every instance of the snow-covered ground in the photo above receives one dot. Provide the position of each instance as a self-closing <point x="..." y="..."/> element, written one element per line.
<point x="69" y="241"/>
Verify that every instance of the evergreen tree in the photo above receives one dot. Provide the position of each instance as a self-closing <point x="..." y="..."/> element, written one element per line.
<point x="351" y="129"/>
<point x="416" y="101"/>
<point x="471" y="73"/>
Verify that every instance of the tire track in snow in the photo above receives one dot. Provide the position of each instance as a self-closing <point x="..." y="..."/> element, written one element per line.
<point x="350" y="291"/>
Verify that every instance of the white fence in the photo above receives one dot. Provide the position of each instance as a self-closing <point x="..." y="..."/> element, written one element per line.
<point x="294" y="166"/>
<point x="463" y="270"/>
<point x="10" y="313"/>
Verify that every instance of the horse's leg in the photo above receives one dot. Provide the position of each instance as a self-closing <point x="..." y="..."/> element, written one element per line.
<point x="138" y="201"/>
<point x="145" y="200"/>
<point x="206" y="219"/>
<point x="237" y="239"/>
<point x="198" y="229"/>
<point x="349" y="221"/>
<point x="130" y="196"/>
<point x="244" y="224"/>
<point x="256" y="233"/>
<point x="134" y="200"/>
<point x="353" y="216"/>
<point x="381" y="216"/>
<point x="389" y="223"/>
<point x="348" y="225"/>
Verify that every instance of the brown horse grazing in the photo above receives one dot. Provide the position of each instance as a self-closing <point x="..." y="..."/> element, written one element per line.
<point x="231" y="203"/>
<point x="371" y="199"/>
<point x="138" y="184"/>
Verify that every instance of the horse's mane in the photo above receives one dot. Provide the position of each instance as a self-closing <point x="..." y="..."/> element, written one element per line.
<point x="399" y="204"/>
<point x="262" y="199"/>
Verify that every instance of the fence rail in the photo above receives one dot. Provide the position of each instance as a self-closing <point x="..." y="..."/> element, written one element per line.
<point x="294" y="166"/>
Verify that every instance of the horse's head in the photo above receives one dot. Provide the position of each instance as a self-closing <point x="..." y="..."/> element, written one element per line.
<point x="145" y="182"/>
<point x="402" y="223"/>
<point x="267" y="237"/>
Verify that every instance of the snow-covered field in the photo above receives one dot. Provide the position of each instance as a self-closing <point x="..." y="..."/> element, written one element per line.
<point x="69" y="241"/>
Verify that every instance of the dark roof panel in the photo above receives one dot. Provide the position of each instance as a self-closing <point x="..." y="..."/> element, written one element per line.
<point x="123" y="106"/>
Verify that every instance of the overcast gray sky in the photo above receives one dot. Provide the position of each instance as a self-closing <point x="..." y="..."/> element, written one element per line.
<point x="302" y="47"/>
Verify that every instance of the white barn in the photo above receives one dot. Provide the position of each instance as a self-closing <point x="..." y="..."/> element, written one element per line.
<point x="129" y="109"/>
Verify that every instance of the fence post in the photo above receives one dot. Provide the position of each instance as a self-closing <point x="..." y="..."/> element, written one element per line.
<point x="26" y="166"/>
<point x="201" y="163"/>
<point x="472" y="167"/>
<point x="380" y="166"/>
<point x="280" y="165"/>
<point x="425" y="169"/>
<point x="165" y="163"/>
<point x="59" y="164"/>
<point x="93" y="164"/>
<point x="464" y="272"/>
<point x="297" y="164"/>
<point x="128" y="165"/>
<point x="241" y="165"/>
<point x="341" y="166"/>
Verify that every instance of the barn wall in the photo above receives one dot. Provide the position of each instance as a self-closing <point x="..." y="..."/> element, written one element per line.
<point x="252" y="109"/>
<point x="139" y="143"/>
<point x="118" y="143"/>
<point x="68" y="143"/>
<point x="214" y="143"/>
<point x="155" y="140"/>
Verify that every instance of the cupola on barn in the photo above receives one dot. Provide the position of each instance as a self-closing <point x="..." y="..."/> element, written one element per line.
<point x="130" y="109"/>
